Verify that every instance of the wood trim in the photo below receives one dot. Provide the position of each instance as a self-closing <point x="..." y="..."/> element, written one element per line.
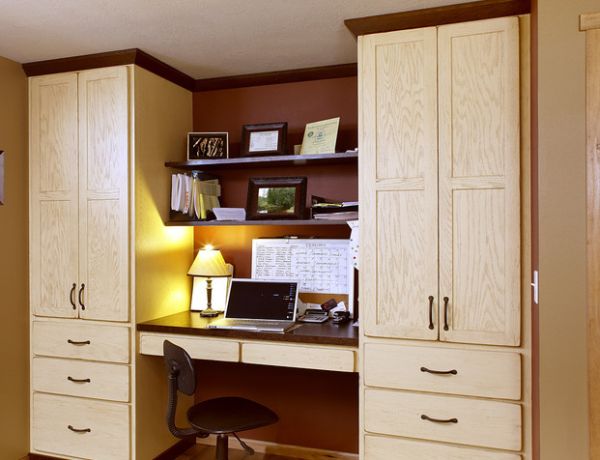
<point x="589" y="21"/>
<point x="275" y="78"/>
<point x="39" y="457"/>
<point x="473" y="11"/>
<point x="176" y="449"/>
<point x="110" y="59"/>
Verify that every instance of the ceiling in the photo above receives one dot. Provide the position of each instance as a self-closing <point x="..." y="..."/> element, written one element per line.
<point x="203" y="38"/>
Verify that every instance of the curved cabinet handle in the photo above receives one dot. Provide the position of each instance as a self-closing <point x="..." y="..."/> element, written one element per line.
<point x="431" y="326"/>
<point x="71" y="299"/>
<point x="77" y="430"/>
<point x="439" y="420"/>
<point x="431" y="371"/>
<point x="80" y="296"/>
<point x="446" y="300"/>
<point x="75" y="342"/>
<point x="71" y="379"/>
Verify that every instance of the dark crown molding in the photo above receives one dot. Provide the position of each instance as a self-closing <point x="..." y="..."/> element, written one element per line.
<point x="485" y="9"/>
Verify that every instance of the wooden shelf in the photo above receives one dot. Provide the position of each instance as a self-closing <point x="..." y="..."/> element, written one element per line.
<point x="268" y="161"/>
<point x="224" y="223"/>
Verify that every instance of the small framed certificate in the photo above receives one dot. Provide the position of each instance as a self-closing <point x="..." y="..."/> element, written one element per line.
<point x="264" y="139"/>
<point x="320" y="137"/>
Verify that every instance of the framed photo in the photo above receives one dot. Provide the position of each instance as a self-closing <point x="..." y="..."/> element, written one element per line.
<point x="207" y="146"/>
<point x="276" y="198"/>
<point x="265" y="139"/>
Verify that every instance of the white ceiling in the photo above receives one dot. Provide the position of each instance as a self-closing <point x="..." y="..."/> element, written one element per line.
<point x="203" y="38"/>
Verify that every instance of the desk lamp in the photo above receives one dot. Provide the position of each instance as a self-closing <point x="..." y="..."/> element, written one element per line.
<point x="208" y="264"/>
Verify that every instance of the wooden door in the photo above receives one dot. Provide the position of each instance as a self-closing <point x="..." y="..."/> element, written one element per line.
<point x="53" y="199"/>
<point x="398" y="184"/>
<point x="479" y="182"/>
<point x="103" y="194"/>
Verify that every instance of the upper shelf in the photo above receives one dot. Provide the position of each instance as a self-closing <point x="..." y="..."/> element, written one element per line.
<point x="274" y="160"/>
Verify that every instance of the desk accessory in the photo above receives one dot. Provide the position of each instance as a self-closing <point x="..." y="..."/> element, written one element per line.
<point x="314" y="316"/>
<point x="209" y="264"/>
<point x="341" y="317"/>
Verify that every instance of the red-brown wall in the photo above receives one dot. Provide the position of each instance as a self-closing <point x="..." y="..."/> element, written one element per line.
<point x="328" y="418"/>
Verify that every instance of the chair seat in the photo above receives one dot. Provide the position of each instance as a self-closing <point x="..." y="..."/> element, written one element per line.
<point x="229" y="414"/>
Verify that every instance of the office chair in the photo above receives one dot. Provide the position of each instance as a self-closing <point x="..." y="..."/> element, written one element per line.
<point x="220" y="416"/>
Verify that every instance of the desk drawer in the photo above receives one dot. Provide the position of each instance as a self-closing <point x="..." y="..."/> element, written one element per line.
<point x="70" y="377"/>
<point x="479" y="423"/>
<point x="478" y="373"/>
<point x="379" y="448"/>
<point x="108" y="423"/>
<point x="330" y="359"/>
<point x="197" y="347"/>
<point x="76" y="339"/>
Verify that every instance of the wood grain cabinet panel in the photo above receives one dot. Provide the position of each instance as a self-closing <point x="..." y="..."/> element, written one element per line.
<point x="198" y="348"/>
<point x="380" y="448"/>
<point x="103" y="434"/>
<point x="455" y="420"/>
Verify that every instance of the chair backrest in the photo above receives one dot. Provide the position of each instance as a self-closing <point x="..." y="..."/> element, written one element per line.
<point x="179" y="366"/>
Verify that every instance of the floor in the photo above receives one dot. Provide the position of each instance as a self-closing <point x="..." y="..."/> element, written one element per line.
<point x="208" y="453"/>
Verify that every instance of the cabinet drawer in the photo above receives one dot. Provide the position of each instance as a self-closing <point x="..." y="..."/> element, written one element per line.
<point x="299" y="356"/>
<point x="107" y="422"/>
<point x="81" y="378"/>
<point x="379" y="448"/>
<point x="197" y="347"/>
<point x="76" y="339"/>
<point x="478" y="423"/>
<point x="478" y="373"/>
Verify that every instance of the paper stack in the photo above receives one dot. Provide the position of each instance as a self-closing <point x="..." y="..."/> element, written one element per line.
<point x="192" y="196"/>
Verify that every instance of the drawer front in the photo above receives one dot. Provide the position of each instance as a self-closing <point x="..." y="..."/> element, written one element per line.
<point x="197" y="347"/>
<point x="478" y="373"/>
<point x="299" y="356"/>
<point x="478" y="422"/>
<point x="81" y="378"/>
<point x="81" y="341"/>
<point x="108" y="425"/>
<point x="379" y="448"/>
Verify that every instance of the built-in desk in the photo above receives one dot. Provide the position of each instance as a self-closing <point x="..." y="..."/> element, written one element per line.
<point x="309" y="346"/>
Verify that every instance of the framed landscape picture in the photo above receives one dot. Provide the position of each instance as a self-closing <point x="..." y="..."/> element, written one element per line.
<point x="276" y="198"/>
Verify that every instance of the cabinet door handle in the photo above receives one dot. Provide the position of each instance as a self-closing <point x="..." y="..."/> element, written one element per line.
<point x="446" y="300"/>
<point x="431" y="312"/>
<point x="71" y="379"/>
<point x="439" y="420"/>
<point x="71" y="296"/>
<point x="431" y="371"/>
<point x="80" y="296"/>
<point x="77" y="430"/>
<point x="75" y="342"/>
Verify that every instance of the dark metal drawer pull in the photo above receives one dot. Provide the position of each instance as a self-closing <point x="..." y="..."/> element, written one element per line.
<point x="84" y="430"/>
<point x="431" y="312"/>
<point x="437" y="420"/>
<point x="431" y="371"/>
<point x="74" y="342"/>
<point x="446" y="300"/>
<point x="71" y="379"/>
<point x="81" y="289"/>
<point x="71" y="296"/>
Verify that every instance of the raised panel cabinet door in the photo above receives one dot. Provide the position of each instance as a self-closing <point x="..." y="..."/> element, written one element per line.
<point x="53" y="195"/>
<point x="479" y="189"/>
<point x="103" y="195"/>
<point x="398" y="184"/>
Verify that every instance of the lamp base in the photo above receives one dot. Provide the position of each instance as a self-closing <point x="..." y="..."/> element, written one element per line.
<point x="209" y="313"/>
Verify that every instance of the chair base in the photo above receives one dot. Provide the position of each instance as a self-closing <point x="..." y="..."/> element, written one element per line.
<point x="222" y="447"/>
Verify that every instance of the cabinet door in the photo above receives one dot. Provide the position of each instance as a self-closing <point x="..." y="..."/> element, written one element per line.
<point x="103" y="193"/>
<point x="479" y="182"/>
<point x="53" y="194"/>
<point x="398" y="183"/>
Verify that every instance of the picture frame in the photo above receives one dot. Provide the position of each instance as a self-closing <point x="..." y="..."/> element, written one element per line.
<point x="276" y="198"/>
<point x="264" y="139"/>
<point x="207" y="146"/>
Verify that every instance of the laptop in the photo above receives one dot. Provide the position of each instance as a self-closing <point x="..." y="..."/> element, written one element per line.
<point x="259" y="305"/>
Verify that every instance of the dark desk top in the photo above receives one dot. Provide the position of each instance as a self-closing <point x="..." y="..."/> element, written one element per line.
<point x="190" y="323"/>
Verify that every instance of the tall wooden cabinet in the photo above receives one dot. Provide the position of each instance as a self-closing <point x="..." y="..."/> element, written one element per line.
<point x="440" y="193"/>
<point x="89" y="194"/>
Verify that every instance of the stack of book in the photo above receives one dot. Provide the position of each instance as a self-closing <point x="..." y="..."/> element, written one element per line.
<point x="194" y="197"/>
<point x="325" y="209"/>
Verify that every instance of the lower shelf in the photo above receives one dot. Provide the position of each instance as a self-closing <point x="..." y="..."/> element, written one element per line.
<point x="216" y="223"/>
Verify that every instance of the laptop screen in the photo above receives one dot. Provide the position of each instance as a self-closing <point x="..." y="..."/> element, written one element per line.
<point x="262" y="300"/>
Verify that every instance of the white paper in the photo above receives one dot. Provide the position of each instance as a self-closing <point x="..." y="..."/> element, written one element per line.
<point x="263" y="141"/>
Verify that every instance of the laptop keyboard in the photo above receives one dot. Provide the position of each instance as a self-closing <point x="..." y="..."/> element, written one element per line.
<point x="253" y="325"/>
